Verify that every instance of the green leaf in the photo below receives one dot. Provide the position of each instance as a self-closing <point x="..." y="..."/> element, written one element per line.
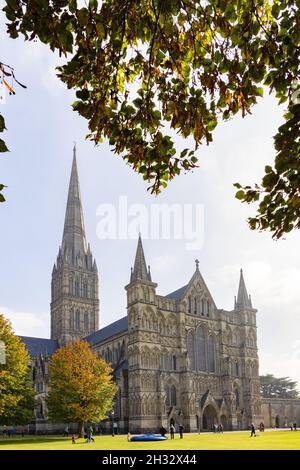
<point x="83" y="94"/>
<point x="3" y="147"/>
<point x="83" y="16"/>
<point x="259" y="91"/>
<point x="100" y="30"/>
<point x="240" y="194"/>
<point x="93" y="4"/>
<point x="2" y="123"/>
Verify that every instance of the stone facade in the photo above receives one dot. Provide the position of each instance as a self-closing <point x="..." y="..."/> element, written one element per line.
<point x="176" y="358"/>
<point x="186" y="361"/>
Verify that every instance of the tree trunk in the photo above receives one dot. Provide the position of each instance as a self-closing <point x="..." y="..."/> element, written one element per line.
<point x="81" y="430"/>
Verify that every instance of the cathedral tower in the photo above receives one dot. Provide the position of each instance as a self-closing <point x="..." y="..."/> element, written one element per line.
<point x="142" y="329"/>
<point x="245" y="366"/>
<point x="74" y="286"/>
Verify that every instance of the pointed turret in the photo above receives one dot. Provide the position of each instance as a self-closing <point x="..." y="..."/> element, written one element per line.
<point x="74" y="241"/>
<point x="140" y="271"/>
<point x="243" y="299"/>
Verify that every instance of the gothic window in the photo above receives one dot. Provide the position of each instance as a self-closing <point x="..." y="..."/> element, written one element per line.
<point x="195" y="305"/>
<point x="166" y="362"/>
<point x="174" y="362"/>
<point x="85" y="290"/>
<point x="235" y="338"/>
<point x="191" y="350"/>
<point x="71" y="319"/>
<point x="86" y="321"/>
<point x="202" y="307"/>
<point x="170" y="395"/>
<point x="173" y="395"/>
<point x="77" y="288"/>
<point x="207" y="308"/>
<point x="190" y="305"/>
<point x="71" y="286"/>
<point x="211" y="354"/>
<point x="237" y="369"/>
<point x="77" y="320"/>
<point x="201" y="349"/>
<point x="237" y="397"/>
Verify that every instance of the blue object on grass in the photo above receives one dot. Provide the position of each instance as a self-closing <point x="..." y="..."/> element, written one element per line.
<point x="148" y="437"/>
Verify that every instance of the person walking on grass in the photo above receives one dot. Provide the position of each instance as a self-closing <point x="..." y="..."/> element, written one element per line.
<point x="73" y="439"/>
<point x="253" y="432"/>
<point x="91" y="432"/>
<point x="181" y="428"/>
<point x="172" y="431"/>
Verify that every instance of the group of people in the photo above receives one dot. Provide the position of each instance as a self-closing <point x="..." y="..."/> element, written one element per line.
<point x="163" y="431"/>
<point x="88" y="435"/>
<point x="293" y="426"/>
<point x="11" y="432"/>
<point x="217" y="428"/>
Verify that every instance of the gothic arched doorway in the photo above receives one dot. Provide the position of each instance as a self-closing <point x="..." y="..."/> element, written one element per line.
<point x="209" y="418"/>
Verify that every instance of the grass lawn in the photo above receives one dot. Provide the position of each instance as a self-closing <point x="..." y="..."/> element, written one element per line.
<point x="269" y="440"/>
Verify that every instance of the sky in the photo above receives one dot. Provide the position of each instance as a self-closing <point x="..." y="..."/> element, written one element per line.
<point x="41" y="131"/>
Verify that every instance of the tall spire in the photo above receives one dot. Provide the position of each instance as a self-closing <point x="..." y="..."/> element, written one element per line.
<point x="140" y="268"/>
<point x="243" y="300"/>
<point x="74" y="241"/>
<point x="74" y="285"/>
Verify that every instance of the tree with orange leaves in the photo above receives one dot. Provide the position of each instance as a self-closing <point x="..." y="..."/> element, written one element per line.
<point x="81" y="386"/>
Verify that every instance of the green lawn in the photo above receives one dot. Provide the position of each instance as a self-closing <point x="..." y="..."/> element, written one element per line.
<point x="280" y="440"/>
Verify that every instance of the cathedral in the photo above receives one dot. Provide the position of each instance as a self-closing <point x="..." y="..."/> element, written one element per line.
<point x="177" y="359"/>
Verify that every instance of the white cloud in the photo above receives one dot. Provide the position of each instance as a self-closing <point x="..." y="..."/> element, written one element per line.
<point x="26" y="323"/>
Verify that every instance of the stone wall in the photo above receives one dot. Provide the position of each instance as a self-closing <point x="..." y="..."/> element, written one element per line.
<point x="280" y="412"/>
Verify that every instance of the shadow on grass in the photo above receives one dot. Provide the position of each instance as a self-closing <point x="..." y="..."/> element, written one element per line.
<point x="33" y="440"/>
